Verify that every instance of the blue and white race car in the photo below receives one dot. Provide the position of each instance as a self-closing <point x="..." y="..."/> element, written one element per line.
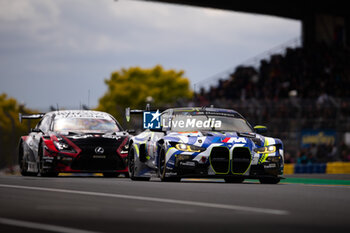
<point x="205" y="143"/>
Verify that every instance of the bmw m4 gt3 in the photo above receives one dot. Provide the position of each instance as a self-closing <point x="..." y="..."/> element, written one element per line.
<point x="203" y="142"/>
<point x="73" y="141"/>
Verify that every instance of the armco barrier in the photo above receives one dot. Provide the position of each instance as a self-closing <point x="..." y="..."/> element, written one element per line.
<point x="289" y="168"/>
<point x="310" y="168"/>
<point x="338" y="168"/>
<point x="329" y="168"/>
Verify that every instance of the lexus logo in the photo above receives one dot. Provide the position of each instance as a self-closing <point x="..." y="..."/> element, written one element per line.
<point x="99" y="150"/>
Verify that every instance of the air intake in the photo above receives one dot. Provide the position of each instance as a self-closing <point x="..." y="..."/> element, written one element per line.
<point x="220" y="160"/>
<point x="241" y="159"/>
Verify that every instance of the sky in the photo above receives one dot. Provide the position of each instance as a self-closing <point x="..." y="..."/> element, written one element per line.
<point x="60" y="52"/>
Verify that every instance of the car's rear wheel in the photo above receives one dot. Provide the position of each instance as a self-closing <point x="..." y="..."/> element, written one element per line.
<point x="162" y="169"/>
<point x="132" y="166"/>
<point x="23" y="165"/>
<point x="270" y="180"/>
<point x="234" y="179"/>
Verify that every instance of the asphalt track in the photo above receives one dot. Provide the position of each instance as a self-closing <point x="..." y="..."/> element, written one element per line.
<point x="98" y="204"/>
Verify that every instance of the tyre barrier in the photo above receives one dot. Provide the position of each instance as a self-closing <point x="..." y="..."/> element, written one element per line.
<point x="322" y="168"/>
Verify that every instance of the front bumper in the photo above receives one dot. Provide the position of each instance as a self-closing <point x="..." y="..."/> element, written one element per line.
<point x="191" y="168"/>
<point x="80" y="164"/>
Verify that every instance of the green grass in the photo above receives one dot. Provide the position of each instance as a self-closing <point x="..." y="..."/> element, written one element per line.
<point x="315" y="181"/>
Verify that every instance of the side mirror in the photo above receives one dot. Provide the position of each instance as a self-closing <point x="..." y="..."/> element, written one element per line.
<point x="260" y="129"/>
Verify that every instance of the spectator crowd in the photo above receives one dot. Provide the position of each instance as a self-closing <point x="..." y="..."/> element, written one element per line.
<point x="306" y="88"/>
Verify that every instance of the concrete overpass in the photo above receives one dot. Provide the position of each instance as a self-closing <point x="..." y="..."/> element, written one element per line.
<point x="327" y="22"/>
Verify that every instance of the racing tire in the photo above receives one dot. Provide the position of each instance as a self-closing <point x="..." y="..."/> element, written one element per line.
<point x="23" y="165"/>
<point x="131" y="167"/>
<point x="162" y="169"/>
<point x="270" y="180"/>
<point x="111" y="174"/>
<point x="41" y="171"/>
<point x="234" y="180"/>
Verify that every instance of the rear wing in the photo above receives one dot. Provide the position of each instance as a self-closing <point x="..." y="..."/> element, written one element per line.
<point x="129" y="111"/>
<point x="30" y="116"/>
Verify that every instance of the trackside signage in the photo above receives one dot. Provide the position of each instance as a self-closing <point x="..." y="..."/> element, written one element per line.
<point x="152" y="120"/>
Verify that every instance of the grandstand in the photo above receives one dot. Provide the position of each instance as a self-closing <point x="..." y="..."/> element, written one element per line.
<point x="300" y="92"/>
<point x="321" y="22"/>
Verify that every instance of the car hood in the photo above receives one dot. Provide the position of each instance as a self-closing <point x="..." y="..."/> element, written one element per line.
<point x="89" y="133"/>
<point x="204" y="137"/>
<point x="81" y="137"/>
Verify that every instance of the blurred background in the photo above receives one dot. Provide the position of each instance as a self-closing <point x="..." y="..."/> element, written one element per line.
<point x="279" y="65"/>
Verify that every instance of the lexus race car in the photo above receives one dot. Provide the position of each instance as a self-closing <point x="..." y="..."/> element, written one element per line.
<point x="73" y="141"/>
<point x="204" y="142"/>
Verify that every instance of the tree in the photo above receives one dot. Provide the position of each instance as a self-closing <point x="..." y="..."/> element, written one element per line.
<point x="134" y="87"/>
<point x="11" y="129"/>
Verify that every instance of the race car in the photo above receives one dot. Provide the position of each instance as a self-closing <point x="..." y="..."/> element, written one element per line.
<point x="72" y="141"/>
<point x="203" y="143"/>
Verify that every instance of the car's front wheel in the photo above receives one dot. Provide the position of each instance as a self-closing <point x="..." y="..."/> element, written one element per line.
<point x="132" y="166"/>
<point x="23" y="165"/>
<point x="42" y="171"/>
<point x="162" y="169"/>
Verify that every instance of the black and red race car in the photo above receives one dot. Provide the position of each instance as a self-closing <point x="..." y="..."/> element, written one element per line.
<point x="73" y="141"/>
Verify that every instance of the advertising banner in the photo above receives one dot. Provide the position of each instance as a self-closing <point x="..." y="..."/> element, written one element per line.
<point x="309" y="137"/>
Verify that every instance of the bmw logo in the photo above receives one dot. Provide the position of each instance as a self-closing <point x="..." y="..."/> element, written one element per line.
<point x="99" y="150"/>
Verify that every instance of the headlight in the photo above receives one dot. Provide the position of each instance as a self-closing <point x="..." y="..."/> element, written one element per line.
<point x="125" y="149"/>
<point x="63" y="146"/>
<point x="189" y="148"/>
<point x="126" y="146"/>
<point x="265" y="149"/>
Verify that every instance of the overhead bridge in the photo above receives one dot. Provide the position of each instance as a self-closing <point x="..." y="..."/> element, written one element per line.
<point x="321" y="20"/>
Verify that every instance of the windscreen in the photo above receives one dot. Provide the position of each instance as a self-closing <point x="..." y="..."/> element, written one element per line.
<point x="207" y="121"/>
<point x="85" y="124"/>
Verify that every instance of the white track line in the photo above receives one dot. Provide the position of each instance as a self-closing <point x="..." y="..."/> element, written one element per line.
<point x="155" y="199"/>
<point x="40" y="226"/>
